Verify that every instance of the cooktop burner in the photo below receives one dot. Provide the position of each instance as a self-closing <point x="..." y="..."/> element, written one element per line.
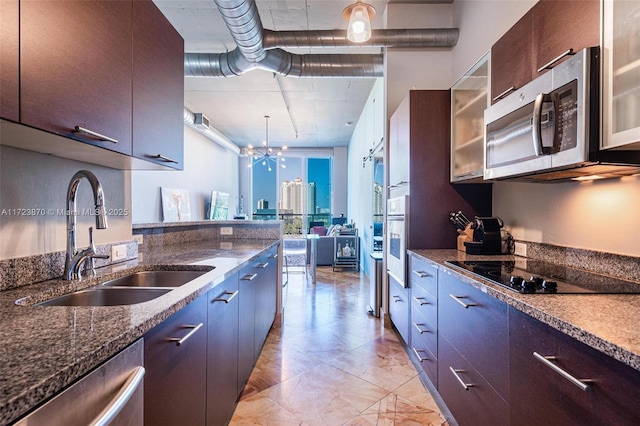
<point x="539" y="277"/>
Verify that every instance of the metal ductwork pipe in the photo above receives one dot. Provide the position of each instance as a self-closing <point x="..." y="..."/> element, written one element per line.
<point x="210" y="132"/>
<point x="284" y="63"/>
<point x="418" y="38"/>
<point x="243" y="21"/>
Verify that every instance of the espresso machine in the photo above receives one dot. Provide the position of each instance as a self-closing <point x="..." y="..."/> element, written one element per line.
<point x="487" y="238"/>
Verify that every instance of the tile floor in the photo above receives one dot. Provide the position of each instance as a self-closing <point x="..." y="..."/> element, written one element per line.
<point x="332" y="364"/>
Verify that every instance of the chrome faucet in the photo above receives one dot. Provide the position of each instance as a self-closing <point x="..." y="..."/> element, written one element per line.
<point x="75" y="258"/>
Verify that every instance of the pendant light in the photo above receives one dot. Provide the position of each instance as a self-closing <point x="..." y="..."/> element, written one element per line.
<point x="359" y="16"/>
<point x="265" y="155"/>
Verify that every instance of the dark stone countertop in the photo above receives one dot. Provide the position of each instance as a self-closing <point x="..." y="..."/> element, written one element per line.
<point x="605" y="322"/>
<point x="46" y="348"/>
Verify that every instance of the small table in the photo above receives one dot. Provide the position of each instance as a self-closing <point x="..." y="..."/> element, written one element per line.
<point x="313" y="238"/>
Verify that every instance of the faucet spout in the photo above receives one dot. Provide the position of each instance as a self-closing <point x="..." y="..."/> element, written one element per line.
<point x="72" y="259"/>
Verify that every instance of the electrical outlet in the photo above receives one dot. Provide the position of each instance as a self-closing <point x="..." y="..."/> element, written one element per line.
<point x="520" y="249"/>
<point x="226" y="230"/>
<point x="138" y="238"/>
<point x="118" y="252"/>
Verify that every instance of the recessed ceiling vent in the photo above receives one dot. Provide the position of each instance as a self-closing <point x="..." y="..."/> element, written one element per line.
<point x="201" y="120"/>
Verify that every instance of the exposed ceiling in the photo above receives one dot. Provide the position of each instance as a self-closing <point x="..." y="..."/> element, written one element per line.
<point x="305" y="112"/>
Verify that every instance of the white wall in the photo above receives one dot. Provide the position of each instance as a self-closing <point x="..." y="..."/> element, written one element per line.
<point x="339" y="181"/>
<point x="601" y="216"/>
<point x="207" y="167"/>
<point x="30" y="180"/>
<point x="360" y="184"/>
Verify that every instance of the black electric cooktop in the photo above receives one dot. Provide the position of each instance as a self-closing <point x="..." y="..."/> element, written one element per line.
<point x="539" y="277"/>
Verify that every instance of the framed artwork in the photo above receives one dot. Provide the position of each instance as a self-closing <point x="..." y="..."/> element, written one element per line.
<point x="175" y="205"/>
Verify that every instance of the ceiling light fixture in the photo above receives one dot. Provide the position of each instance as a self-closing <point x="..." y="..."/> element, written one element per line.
<point x="265" y="155"/>
<point x="359" y="16"/>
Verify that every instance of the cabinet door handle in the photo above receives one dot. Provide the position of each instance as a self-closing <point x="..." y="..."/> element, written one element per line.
<point x="100" y="136"/>
<point x="420" y="330"/>
<point x="163" y="158"/>
<point x="546" y="360"/>
<point x="396" y="299"/>
<point x="274" y="256"/>
<point x="421" y="300"/>
<point x="466" y="386"/>
<point x="262" y="265"/>
<point x="249" y="277"/>
<point x="222" y="299"/>
<point x="422" y="274"/>
<point x="505" y="93"/>
<point x="120" y="400"/>
<point x="178" y="341"/>
<point x="417" y="352"/>
<point x="550" y="64"/>
<point x="457" y="299"/>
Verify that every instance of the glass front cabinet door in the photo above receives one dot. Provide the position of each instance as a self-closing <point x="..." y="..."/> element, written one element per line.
<point x="469" y="98"/>
<point x="621" y="74"/>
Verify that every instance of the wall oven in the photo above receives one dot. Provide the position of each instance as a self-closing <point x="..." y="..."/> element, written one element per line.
<point x="548" y="130"/>
<point x="397" y="209"/>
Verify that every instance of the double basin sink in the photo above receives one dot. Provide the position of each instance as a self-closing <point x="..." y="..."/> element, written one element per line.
<point x="134" y="288"/>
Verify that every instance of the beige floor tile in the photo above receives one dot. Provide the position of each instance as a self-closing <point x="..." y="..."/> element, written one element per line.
<point x="260" y="410"/>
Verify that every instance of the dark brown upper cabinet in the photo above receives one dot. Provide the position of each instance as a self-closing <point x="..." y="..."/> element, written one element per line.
<point x="158" y="87"/>
<point x="75" y="70"/>
<point x="9" y="60"/>
<point x="540" y="40"/>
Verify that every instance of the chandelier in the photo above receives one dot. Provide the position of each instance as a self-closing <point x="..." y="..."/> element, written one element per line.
<point x="264" y="154"/>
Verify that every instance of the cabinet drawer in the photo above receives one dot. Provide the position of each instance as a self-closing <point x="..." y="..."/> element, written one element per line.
<point x="426" y="303"/>
<point x="476" y="325"/>
<point x="422" y="351"/>
<point x="399" y="308"/>
<point x="423" y="274"/>
<point x="470" y="398"/>
<point x="613" y="388"/>
<point x="426" y="329"/>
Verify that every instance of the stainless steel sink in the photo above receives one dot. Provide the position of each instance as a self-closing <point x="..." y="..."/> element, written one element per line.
<point x="155" y="279"/>
<point x="106" y="297"/>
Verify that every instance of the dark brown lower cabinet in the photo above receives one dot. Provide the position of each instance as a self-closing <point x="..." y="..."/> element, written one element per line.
<point x="175" y="359"/>
<point x="471" y="399"/>
<point x="222" y="351"/>
<point x="605" y="391"/>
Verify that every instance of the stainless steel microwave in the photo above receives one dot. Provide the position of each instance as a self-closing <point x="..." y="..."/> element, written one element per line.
<point x="549" y="130"/>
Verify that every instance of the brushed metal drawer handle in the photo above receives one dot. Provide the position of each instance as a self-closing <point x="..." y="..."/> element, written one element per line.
<point x="416" y="351"/>
<point x="262" y="265"/>
<point x="274" y="256"/>
<point x="466" y="386"/>
<point x="550" y="64"/>
<point x="546" y="360"/>
<point x="420" y="300"/>
<point x="120" y="400"/>
<point x="457" y="299"/>
<point x="505" y="93"/>
<point x="163" y="158"/>
<point x="397" y="299"/>
<point x="79" y="129"/>
<point x="222" y="299"/>
<point x="178" y="341"/>
<point x="249" y="277"/>
<point x="420" y="330"/>
<point x="422" y="274"/>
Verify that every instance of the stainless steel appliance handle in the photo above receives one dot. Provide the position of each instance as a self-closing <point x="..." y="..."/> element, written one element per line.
<point x="163" y="158"/>
<point x="100" y="136"/>
<point x="222" y="299"/>
<point x="546" y="360"/>
<point x="457" y="299"/>
<point x="415" y="351"/>
<point x="550" y="64"/>
<point x="120" y="400"/>
<point x="505" y="93"/>
<point x="466" y="386"/>
<point x="420" y="330"/>
<point x="395" y="218"/>
<point x="180" y="341"/>
<point x="536" y="127"/>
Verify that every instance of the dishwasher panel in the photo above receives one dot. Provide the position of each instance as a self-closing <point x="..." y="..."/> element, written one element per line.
<point x="112" y="395"/>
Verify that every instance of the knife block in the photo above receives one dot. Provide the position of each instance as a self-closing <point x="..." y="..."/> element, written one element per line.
<point x="466" y="235"/>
